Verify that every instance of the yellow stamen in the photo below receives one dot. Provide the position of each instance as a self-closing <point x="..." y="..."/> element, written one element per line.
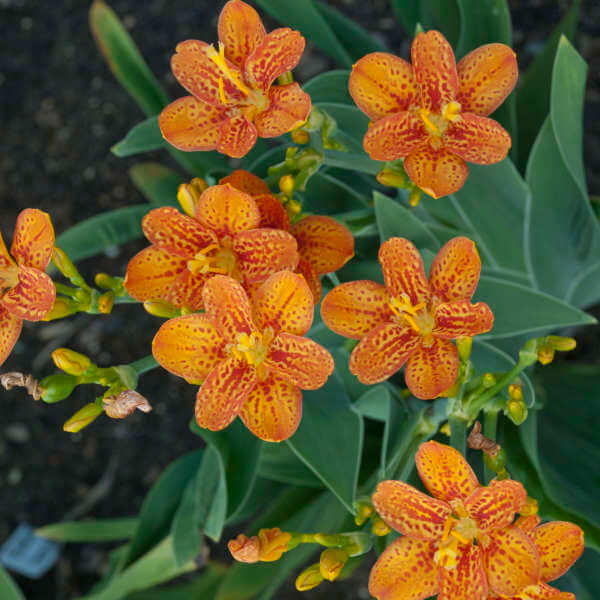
<point x="424" y="114"/>
<point x="403" y="308"/>
<point x="219" y="59"/>
<point x="451" y="111"/>
<point x="222" y="91"/>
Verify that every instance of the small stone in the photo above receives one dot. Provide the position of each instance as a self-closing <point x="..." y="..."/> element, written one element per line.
<point x="17" y="433"/>
<point x="14" y="476"/>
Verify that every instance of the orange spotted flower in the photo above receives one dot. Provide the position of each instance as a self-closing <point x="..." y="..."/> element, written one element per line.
<point x="233" y="100"/>
<point x="461" y="543"/>
<point x="250" y="357"/>
<point x="224" y="237"/>
<point x="411" y="320"/>
<point x="26" y="292"/>
<point x="324" y="244"/>
<point x="434" y="113"/>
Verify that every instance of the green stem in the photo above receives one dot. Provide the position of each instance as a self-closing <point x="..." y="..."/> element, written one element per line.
<point x="490" y="428"/>
<point x="66" y="290"/>
<point x="458" y="433"/>
<point x="144" y="364"/>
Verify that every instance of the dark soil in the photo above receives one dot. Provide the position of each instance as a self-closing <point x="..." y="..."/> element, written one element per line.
<point x="61" y="112"/>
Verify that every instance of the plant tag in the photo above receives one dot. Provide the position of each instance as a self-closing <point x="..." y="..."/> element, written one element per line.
<point x="27" y="554"/>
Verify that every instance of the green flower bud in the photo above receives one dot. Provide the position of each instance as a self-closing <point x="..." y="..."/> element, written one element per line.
<point x="57" y="387"/>
<point x="83" y="417"/>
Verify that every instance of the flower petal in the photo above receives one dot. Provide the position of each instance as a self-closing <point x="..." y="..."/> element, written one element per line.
<point x="405" y="571"/>
<point x="528" y="523"/>
<point x="431" y="370"/>
<point x="409" y="511"/>
<point x="300" y="361"/>
<point x="10" y="330"/>
<point x="511" y="561"/>
<point x="223" y="393"/>
<point x="288" y="108"/>
<point x="5" y="258"/>
<point x="279" y="52"/>
<point x="246" y="182"/>
<point x="241" y="30"/>
<point x="284" y="302"/>
<point x="312" y="279"/>
<point x="33" y="240"/>
<point x="444" y="472"/>
<point x="403" y="270"/>
<point x="200" y="75"/>
<point x="323" y="242"/>
<point x="486" y="76"/>
<point x="32" y="298"/>
<point x="262" y="252"/>
<point x="186" y="291"/>
<point x="478" y="140"/>
<point x="560" y="544"/>
<point x="272" y="213"/>
<point x="494" y="506"/>
<point x="382" y="84"/>
<point x="437" y="172"/>
<point x="395" y="136"/>
<point x="227" y="307"/>
<point x="382" y="352"/>
<point x="435" y="69"/>
<point x="467" y="580"/>
<point x="226" y="211"/>
<point x="151" y="274"/>
<point x="237" y="137"/>
<point x="355" y="308"/>
<point x="454" y="272"/>
<point x="188" y="346"/>
<point x="541" y="591"/>
<point x="192" y="125"/>
<point x="461" y="318"/>
<point x="175" y="233"/>
<point x="273" y="409"/>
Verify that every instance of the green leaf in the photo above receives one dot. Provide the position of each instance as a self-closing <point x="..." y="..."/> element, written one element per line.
<point x="483" y="22"/>
<point x="280" y="463"/>
<point x="161" y="503"/>
<point x="394" y="220"/>
<point x="352" y="161"/>
<point x="583" y="578"/>
<point x="333" y="453"/>
<point x="351" y="121"/>
<point x="9" y="590"/>
<point x="101" y="530"/>
<point x="533" y="92"/>
<point x="328" y="195"/>
<point x="518" y="309"/>
<point x="125" y="60"/>
<point x="442" y="15"/>
<point x="584" y="290"/>
<point x="304" y="16"/>
<point x="331" y="86"/>
<point x="143" y="137"/>
<point x="157" y="183"/>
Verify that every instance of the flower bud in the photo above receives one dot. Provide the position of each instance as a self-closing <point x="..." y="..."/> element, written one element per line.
<point x="64" y="264"/>
<point x="531" y="507"/>
<point x="515" y="391"/>
<point x="106" y="302"/>
<point x="71" y="362"/>
<point x="57" y="387"/>
<point x="495" y="461"/>
<point x="560" y="343"/>
<point x="63" y="307"/>
<point x="244" y="549"/>
<point x="356" y="543"/>
<point x="414" y="196"/>
<point x="364" y="510"/>
<point x="517" y="411"/>
<point x="188" y="195"/>
<point x="332" y="562"/>
<point x="293" y="208"/>
<point x="161" y="308"/>
<point x="392" y="178"/>
<point x="83" y="417"/>
<point x="379" y="527"/>
<point x="300" y="136"/>
<point x="309" y="578"/>
<point x="464" y="345"/>
<point x="123" y="405"/>
<point x="273" y="543"/>
<point x="545" y="354"/>
<point x="489" y="380"/>
<point x="286" y="184"/>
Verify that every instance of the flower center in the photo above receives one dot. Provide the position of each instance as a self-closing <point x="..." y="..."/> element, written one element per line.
<point x="417" y="317"/>
<point x="437" y="123"/>
<point x="214" y="259"/>
<point x="253" y="349"/>
<point x="458" y="529"/>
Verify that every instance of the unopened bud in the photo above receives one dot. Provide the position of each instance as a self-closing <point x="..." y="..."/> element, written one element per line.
<point x="464" y="345"/>
<point x="286" y="184"/>
<point x="121" y="406"/>
<point x="445" y="429"/>
<point x="545" y="354"/>
<point x="560" y="343"/>
<point x="57" y="387"/>
<point x="63" y="307"/>
<point x="531" y="507"/>
<point x="293" y="208"/>
<point x="244" y="549"/>
<point x="105" y="282"/>
<point x="106" y="302"/>
<point x="356" y="543"/>
<point x="364" y="510"/>
<point x="273" y="543"/>
<point x="332" y="562"/>
<point x="161" y="308"/>
<point x="309" y="578"/>
<point x="300" y="136"/>
<point x="517" y="411"/>
<point x="414" y="197"/>
<point x="71" y="362"/>
<point x="65" y="265"/>
<point x="489" y="380"/>
<point x="392" y="178"/>
<point x="379" y="527"/>
<point x="495" y="461"/>
<point x="83" y="417"/>
<point x="188" y="195"/>
<point x="515" y="391"/>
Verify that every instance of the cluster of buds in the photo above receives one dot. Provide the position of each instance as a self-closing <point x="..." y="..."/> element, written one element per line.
<point x="300" y="164"/>
<point x="365" y="512"/>
<point x="394" y="175"/>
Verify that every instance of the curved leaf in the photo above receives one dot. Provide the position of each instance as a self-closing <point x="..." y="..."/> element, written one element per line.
<point x="483" y="22"/>
<point x="442" y="15"/>
<point x="143" y="137"/>
<point x="97" y="530"/>
<point x="9" y="590"/>
<point x="331" y="86"/>
<point x="157" y="183"/>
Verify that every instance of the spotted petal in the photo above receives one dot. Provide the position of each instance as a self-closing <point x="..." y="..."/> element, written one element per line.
<point x="444" y="472"/>
<point x="280" y="51"/>
<point x="403" y="270"/>
<point x="175" y="233"/>
<point x="410" y="511"/>
<point x="186" y="291"/>
<point x="192" y="125"/>
<point x="272" y="213"/>
<point x="486" y="76"/>
<point x="382" y="84"/>
<point x="454" y="272"/>
<point x="5" y="258"/>
<point x="236" y="137"/>
<point x="494" y="506"/>
<point x="355" y="308"/>
<point x="284" y="302"/>
<point x="223" y="393"/>
<point x="541" y="591"/>
<point x="273" y="409"/>
<point x="435" y="70"/>
<point x="405" y="571"/>
<point x="478" y="140"/>
<point x="288" y="108"/>
<point x="226" y="211"/>
<point x="188" y="346"/>
<point x="382" y="352"/>
<point x="10" y="330"/>
<point x="467" y="580"/>
<point x="395" y="136"/>
<point x="300" y="361"/>
<point x="461" y="318"/>
<point x="511" y="561"/>
<point x="560" y="544"/>
<point x="437" y="172"/>
<point x="246" y="182"/>
<point x="33" y="240"/>
<point x="323" y="242"/>
<point x="240" y="30"/>
<point x="32" y="298"/>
